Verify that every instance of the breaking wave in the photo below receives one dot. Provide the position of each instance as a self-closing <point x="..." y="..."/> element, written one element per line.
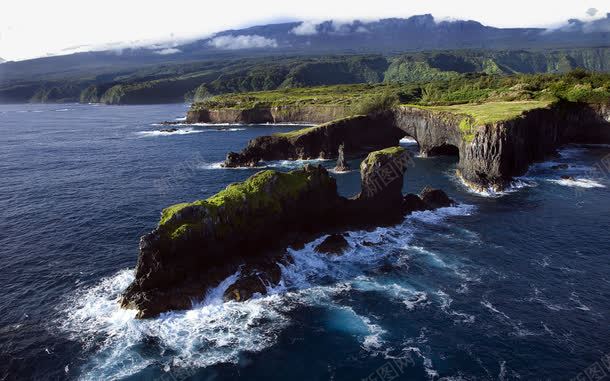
<point x="215" y="331"/>
<point x="185" y="131"/>
<point x="577" y="183"/>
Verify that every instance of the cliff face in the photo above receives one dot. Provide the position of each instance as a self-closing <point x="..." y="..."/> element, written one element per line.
<point x="358" y="134"/>
<point x="490" y="155"/>
<point x="500" y="151"/>
<point x="280" y="114"/>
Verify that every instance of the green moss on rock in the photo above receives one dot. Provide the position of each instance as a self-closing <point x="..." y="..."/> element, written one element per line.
<point x="306" y="130"/>
<point x="261" y="194"/>
<point x="394" y="152"/>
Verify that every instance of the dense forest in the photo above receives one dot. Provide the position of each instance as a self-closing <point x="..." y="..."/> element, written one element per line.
<point x="199" y="80"/>
<point x="575" y="86"/>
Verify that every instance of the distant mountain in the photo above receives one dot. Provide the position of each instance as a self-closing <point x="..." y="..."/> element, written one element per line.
<point x="397" y="35"/>
<point x="392" y="35"/>
<point x="2" y="60"/>
<point x="298" y="54"/>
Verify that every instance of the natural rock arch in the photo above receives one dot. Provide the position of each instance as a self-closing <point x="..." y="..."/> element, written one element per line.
<point x="435" y="135"/>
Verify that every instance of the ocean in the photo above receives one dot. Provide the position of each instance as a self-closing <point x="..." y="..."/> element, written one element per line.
<point x="500" y="287"/>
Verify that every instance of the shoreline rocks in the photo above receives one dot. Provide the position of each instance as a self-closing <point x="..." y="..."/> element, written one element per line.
<point x="246" y="228"/>
<point x="490" y="155"/>
<point x="359" y="134"/>
<point x="334" y="244"/>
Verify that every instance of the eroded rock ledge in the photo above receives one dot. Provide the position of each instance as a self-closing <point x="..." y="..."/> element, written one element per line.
<point x="490" y="154"/>
<point x="277" y="114"/>
<point x="248" y="225"/>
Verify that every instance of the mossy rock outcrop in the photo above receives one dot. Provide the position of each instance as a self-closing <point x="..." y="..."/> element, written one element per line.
<point x="199" y="243"/>
<point x="246" y="227"/>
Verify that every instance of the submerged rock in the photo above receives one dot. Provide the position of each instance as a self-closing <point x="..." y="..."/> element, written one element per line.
<point x="199" y="244"/>
<point x="168" y="130"/>
<point x="252" y="281"/>
<point x="412" y="202"/>
<point x="435" y="198"/>
<point x="334" y="244"/>
<point x="341" y="165"/>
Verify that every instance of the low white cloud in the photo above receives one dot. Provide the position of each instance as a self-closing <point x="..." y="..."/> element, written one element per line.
<point x="242" y="42"/>
<point x="306" y="28"/>
<point x="335" y="26"/>
<point x="167" y="51"/>
<point x="599" y="25"/>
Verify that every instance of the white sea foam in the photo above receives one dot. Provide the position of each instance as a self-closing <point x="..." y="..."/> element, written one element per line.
<point x="292" y="163"/>
<point x="284" y="164"/>
<point x="438" y="215"/>
<point x="516" y="326"/>
<point x="374" y="339"/>
<point x="579" y="305"/>
<point x="514" y="186"/>
<point x="185" y="131"/>
<point x="214" y="331"/>
<point x="577" y="183"/>
<point x="435" y="258"/>
<point x="211" y="332"/>
<point x="571" y="152"/>
<point x="407" y="295"/>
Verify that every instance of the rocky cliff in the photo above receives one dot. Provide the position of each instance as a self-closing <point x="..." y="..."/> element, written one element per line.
<point x="358" y="134"/>
<point x="247" y="226"/>
<point x="499" y="151"/>
<point x="490" y="154"/>
<point x="277" y="114"/>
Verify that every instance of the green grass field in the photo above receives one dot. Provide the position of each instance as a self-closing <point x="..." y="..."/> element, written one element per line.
<point x="490" y="112"/>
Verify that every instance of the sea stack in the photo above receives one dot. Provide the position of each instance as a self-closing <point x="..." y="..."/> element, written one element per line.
<point x="342" y="165"/>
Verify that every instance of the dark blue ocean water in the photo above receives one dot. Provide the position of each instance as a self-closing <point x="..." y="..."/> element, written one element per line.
<point x="514" y="286"/>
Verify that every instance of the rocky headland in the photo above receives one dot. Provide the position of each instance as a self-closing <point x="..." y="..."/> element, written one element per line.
<point x="246" y="228"/>
<point x="491" y="152"/>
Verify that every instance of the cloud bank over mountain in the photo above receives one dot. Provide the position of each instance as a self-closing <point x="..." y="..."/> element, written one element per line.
<point x="242" y="42"/>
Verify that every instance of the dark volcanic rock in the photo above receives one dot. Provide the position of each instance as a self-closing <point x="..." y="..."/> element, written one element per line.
<point x="358" y="134"/>
<point x="341" y="165"/>
<point x="246" y="227"/>
<point x="490" y="155"/>
<point x="333" y="244"/>
<point x="566" y="177"/>
<point x="243" y="228"/>
<point x="254" y="280"/>
<point x="435" y="198"/>
<point x="276" y="114"/>
<point x="412" y="202"/>
<point x="169" y="130"/>
<point x="382" y="174"/>
<point x="199" y="244"/>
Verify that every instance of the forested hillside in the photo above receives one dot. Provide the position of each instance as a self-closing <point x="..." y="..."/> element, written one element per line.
<point x="168" y="83"/>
